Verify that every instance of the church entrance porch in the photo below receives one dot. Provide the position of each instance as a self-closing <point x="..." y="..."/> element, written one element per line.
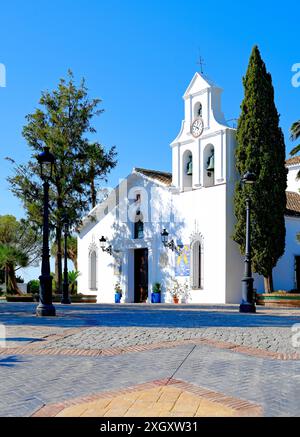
<point x="140" y="275"/>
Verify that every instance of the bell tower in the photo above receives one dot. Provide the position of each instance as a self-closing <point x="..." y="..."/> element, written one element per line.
<point x="199" y="151"/>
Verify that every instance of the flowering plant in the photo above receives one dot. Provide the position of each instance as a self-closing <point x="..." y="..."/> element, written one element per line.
<point x="179" y="290"/>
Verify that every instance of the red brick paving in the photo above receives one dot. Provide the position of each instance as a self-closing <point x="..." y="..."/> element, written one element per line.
<point x="34" y="349"/>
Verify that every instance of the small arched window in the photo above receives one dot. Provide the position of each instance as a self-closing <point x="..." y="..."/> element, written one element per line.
<point x="138" y="226"/>
<point x="197" y="264"/>
<point x="93" y="270"/>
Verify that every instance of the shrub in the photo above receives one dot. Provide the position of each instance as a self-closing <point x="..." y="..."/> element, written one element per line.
<point x="72" y="279"/>
<point x="33" y="286"/>
<point x="17" y="298"/>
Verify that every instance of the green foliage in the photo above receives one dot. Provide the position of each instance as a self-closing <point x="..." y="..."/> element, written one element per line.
<point x="261" y="149"/>
<point x="63" y="123"/>
<point x="20" y="246"/>
<point x="71" y="249"/>
<point x="118" y="288"/>
<point x="156" y="288"/>
<point x="72" y="279"/>
<point x="295" y="135"/>
<point x="33" y="286"/>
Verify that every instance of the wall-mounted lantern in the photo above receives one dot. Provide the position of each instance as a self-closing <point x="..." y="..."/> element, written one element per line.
<point x="169" y="244"/>
<point x="103" y="245"/>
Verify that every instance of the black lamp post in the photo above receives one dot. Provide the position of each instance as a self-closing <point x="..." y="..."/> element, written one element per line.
<point x="45" y="307"/>
<point x="247" y="305"/>
<point x="66" y="297"/>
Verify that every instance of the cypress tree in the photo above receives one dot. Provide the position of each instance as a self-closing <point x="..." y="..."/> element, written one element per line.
<point x="261" y="149"/>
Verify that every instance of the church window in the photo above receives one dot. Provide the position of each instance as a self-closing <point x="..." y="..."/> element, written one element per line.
<point x="197" y="264"/>
<point x="93" y="270"/>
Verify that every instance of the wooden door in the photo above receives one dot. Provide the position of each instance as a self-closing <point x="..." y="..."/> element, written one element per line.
<point x="140" y="275"/>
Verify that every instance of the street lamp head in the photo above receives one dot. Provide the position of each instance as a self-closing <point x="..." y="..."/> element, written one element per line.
<point x="164" y="236"/>
<point x="249" y="178"/>
<point x="46" y="160"/>
<point x="102" y="241"/>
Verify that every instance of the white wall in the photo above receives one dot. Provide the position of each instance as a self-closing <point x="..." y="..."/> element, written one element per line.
<point x="183" y="215"/>
<point x="203" y="212"/>
<point x="292" y="183"/>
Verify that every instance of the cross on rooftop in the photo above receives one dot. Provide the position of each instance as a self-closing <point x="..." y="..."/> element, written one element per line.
<point x="201" y="63"/>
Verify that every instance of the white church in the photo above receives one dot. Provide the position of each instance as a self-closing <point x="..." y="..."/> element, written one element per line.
<point x="176" y="228"/>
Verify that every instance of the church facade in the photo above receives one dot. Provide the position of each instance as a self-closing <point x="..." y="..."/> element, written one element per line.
<point x="175" y="228"/>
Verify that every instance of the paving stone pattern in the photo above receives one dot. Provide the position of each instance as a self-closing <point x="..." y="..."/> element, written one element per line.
<point x="29" y="382"/>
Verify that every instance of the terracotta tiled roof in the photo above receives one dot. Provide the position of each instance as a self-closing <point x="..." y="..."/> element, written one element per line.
<point x="292" y="203"/>
<point x="293" y="161"/>
<point x="161" y="176"/>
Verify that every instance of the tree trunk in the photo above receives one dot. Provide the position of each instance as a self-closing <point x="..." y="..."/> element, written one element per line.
<point x="12" y="279"/>
<point x="56" y="271"/>
<point x="58" y="261"/>
<point x="268" y="283"/>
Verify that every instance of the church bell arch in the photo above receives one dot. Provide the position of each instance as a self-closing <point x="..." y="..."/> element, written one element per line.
<point x="187" y="170"/>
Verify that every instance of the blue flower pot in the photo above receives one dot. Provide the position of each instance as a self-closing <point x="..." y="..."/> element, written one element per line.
<point x="155" y="298"/>
<point x="118" y="297"/>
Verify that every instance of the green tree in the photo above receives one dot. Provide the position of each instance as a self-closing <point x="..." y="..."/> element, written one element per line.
<point x="11" y="257"/>
<point x="71" y="249"/>
<point x="20" y="246"/>
<point x="295" y="135"/>
<point x="63" y="123"/>
<point x="261" y="149"/>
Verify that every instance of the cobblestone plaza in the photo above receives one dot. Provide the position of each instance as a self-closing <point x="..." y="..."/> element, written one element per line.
<point x="210" y="356"/>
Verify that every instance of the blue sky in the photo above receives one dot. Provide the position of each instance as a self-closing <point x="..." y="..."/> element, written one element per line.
<point x="138" y="57"/>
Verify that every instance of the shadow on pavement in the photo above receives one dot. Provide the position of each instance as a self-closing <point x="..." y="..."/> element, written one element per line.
<point x="146" y="315"/>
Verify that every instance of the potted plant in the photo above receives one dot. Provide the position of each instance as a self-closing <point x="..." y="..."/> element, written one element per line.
<point x="175" y="291"/>
<point x="156" y="293"/>
<point x="185" y="292"/>
<point x="118" y="292"/>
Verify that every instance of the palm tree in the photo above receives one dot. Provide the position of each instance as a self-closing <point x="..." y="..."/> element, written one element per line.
<point x="10" y="258"/>
<point x="72" y="279"/>
<point x="295" y="134"/>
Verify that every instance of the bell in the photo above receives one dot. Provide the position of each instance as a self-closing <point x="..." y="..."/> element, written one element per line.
<point x="189" y="166"/>
<point x="189" y="171"/>
<point x="211" y="163"/>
